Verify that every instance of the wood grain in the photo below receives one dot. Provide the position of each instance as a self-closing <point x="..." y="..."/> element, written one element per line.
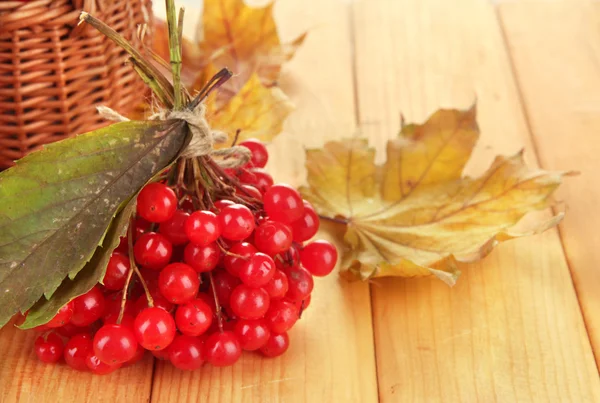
<point x="511" y="330"/>
<point x="555" y="50"/>
<point x="24" y="379"/>
<point x="331" y="356"/>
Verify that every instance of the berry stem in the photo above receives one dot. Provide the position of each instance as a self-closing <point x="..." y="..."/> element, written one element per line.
<point x="217" y="305"/>
<point x="135" y="269"/>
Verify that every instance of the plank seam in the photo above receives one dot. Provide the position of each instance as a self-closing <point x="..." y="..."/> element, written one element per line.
<point x="537" y="155"/>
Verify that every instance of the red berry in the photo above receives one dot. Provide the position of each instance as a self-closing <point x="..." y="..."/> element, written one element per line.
<point x="156" y="202"/>
<point x="225" y="283"/>
<point x="307" y="226"/>
<point x="300" y="283"/>
<point x="161" y="354"/>
<point x="62" y="317"/>
<point x="252" y="334"/>
<point x="114" y="344"/>
<point x="222" y="349"/>
<point x="259" y="178"/>
<point x="202" y="228"/>
<point x="158" y="300"/>
<point x="139" y="355"/>
<point x="178" y="283"/>
<point x="49" y="348"/>
<point x="221" y="204"/>
<point x="116" y="272"/>
<point x="251" y="192"/>
<point x="273" y="237"/>
<point x="154" y="329"/>
<point x="88" y="308"/>
<point x="300" y="305"/>
<point x="186" y="352"/>
<point x="193" y="318"/>
<point x="249" y="303"/>
<point x="283" y="203"/>
<point x="237" y="222"/>
<point x="202" y="258"/>
<point x="70" y="330"/>
<point x="239" y="254"/>
<point x="98" y="367"/>
<point x="282" y="316"/>
<point x="277" y="345"/>
<point x="173" y="229"/>
<point x="77" y="350"/>
<point x="277" y="287"/>
<point x="153" y="251"/>
<point x="319" y="257"/>
<point x="260" y="155"/>
<point x="126" y="320"/>
<point x="258" y="271"/>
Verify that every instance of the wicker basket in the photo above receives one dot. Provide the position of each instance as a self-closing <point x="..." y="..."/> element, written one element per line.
<point x="53" y="73"/>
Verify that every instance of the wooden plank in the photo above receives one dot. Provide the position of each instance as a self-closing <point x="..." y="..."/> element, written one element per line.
<point x="511" y="330"/>
<point x="24" y="379"/>
<point x="555" y="50"/>
<point x="331" y="358"/>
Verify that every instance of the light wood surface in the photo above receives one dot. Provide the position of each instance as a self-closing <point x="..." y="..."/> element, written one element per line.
<point x="519" y="326"/>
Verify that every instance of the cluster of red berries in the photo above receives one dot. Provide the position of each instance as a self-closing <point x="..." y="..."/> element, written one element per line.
<point x="213" y="281"/>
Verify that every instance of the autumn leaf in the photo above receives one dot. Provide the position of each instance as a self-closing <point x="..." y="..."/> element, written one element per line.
<point x="244" y="39"/>
<point x="416" y="215"/>
<point x="256" y="111"/>
<point x="57" y="203"/>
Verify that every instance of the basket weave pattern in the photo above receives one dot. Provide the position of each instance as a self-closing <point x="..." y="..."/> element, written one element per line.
<point x="53" y="73"/>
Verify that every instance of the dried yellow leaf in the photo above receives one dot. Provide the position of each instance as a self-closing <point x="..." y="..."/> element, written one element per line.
<point x="416" y="215"/>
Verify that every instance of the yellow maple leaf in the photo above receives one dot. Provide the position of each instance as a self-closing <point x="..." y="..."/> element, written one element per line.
<point x="245" y="40"/>
<point x="416" y="215"/>
<point x="255" y="111"/>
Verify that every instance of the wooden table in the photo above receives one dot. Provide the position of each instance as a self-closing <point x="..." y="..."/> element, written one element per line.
<point x="521" y="326"/>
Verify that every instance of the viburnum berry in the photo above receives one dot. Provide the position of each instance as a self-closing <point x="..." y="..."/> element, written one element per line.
<point x="173" y="229"/>
<point x="126" y="320"/>
<point x="154" y="328"/>
<point x="159" y="302"/>
<point x="77" y="350"/>
<point x="178" y="283"/>
<point x="239" y="254"/>
<point x="300" y="305"/>
<point x="237" y="222"/>
<point x="273" y="237"/>
<point x="249" y="191"/>
<point x="193" y="318"/>
<point x="116" y="271"/>
<point x="257" y="177"/>
<point x="202" y="258"/>
<point x="88" y="308"/>
<point x="202" y="227"/>
<point x="222" y="349"/>
<point x="249" y="303"/>
<point x="258" y="271"/>
<point x="283" y="203"/>
<point x="259" y="152"/>
<point x="98" y="367"/>
<point x="252" y="334"/>
<point x="276" y="345"/>
<point x="114" y="344"/>
<point x="185" y="352"/>
<point x="62" y="317"/>
<point x="69" y="330"/>
<point x="139" y="355"/>
<point x="156" y="202"/>
<point x="49" y="348"/>
<point x="306" y="226"/>
<point x="319" y="257"/>
<point x="277" y="287"/>
<point x="225" y="283"/>
<point x="221" y="204"/>
<point x="153" y="251"/>
<point x="300" y="283"/>
<point x="281" y="316"/>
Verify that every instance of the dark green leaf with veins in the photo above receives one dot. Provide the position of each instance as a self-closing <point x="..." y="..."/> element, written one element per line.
<point x="57" y="204"/>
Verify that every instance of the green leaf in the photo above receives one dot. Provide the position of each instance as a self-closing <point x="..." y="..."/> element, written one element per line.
<point x="57" y="204"/>
<point x="86" y="279"/>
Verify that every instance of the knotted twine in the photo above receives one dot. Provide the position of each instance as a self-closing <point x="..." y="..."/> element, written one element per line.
<point x="203" y="139"/>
